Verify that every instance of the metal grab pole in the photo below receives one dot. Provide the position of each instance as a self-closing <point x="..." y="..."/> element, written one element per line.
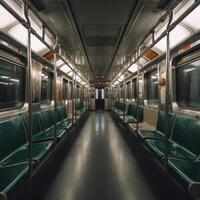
<point x="55" y="91"/>
<point x="167" y="94"/>
<point x="29" y="88"/>
<point x="138" y="76"/>
<point x="72" y="95"/>
<point x="75" y="97"/>
<point x="124" y="97"/>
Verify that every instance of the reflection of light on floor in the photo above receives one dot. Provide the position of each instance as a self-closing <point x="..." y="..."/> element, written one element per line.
<point x="121" y="167"/>
<point x="99" y="125"/>
<point x="77" y="166"/>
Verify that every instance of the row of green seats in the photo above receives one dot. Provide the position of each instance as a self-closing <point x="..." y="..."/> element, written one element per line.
<point x="134" y="114"/>
<point x="119" y="108"/>
<point x="183" y="148"/>
<point x="14" y="148"/>
<point x="183" y="144"/>
<point x="80" y="109"/>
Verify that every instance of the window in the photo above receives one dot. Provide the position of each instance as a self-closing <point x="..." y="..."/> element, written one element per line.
<point x="102" y="94"/>
<point x="46" y="87"/>
<point x="12" y="85"/>
<point x="96" y="94"/>
<point x="128" y="90"/>
<point x="188" y="85"/>
<point x="134" y="89"/>
<point x="65" y="90"/>
<point x="152" y="87"/>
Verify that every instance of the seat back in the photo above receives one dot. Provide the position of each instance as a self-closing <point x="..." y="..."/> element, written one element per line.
<point x="62" y="112"/>
<point x="46" y="118"/>
<point x="187" y="133"/>
<point x="12" y="136"/>
<point x="36" y="125"/>
<point x="150" y="116"/>
<point x="139" y="113"/>
<point x="161" y="121"/>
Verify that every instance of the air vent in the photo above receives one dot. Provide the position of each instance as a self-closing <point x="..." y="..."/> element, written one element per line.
<point x="100" y="41"/>
<point x="101" y="36"/>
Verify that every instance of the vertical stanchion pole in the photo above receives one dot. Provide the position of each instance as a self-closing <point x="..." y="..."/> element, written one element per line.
<point x="124" y="97"/>
<point x="29" y="87"/>
<point x="75" y="96"/>
<point x="167" y="93"/>
<point x="138" y="91"/>
<point x="131" y="85"/>
<point x="55" y="90"/>
<point x="72" y="91"/>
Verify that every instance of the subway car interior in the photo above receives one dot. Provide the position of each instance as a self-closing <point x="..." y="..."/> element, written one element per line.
<point x="99" y="99"/>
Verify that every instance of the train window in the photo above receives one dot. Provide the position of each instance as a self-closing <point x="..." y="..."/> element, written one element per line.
<point x="134" y="89"/>
<point x="128" y="90"/>
<point x="152" y="87"/>
<point x="188" y="85"/>
<point x="12" y="81"/>
<point x="65" y="90"/>
<point x="46" y="87"/>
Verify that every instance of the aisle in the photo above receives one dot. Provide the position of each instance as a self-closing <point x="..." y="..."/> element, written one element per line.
<point x="100" y="166"/>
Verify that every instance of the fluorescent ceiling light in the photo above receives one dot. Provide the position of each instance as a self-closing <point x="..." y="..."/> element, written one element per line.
<point x="121" y="78"/>
<point x="178" y="34"/>
<point x="14" y="80"/>
<point x="20" y="33"/>
<point x="193" y="18"/>
<point x="5" y="18"/>
<point x="59" y="62"/>
<point x="65" y="69"/>
<point x="70" y="73"/>
<point x="133" y="68"/>
<point x="190" y="69"/>
<point x="78" y="78"/>
<point x="5" y="77"/>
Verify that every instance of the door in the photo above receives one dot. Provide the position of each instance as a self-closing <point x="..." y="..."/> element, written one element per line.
<point x="99" y="99"/>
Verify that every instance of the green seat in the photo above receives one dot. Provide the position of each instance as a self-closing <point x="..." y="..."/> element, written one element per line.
<point x="37" y="133"/>
<point x="174" y="149"/>
<point x="187" y="173"/>
<point x="134" y="115"/>
<point x="46" y="117"/>
<point x="64" y="122"/>
<point x="39" y="152"/>
<point x="14" y="146"/>
<point x="185" y="140"/>
<point x="11" y="178"/>
<point x="159" y="133"/>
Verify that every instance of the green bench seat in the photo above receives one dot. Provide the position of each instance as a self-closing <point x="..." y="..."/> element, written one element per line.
<point x="159" y="133"/>
<point x="134" y="114"/>
<point x="14" y="153"/>
<point x="187" y="173"/>
<point x="11" y="178"/>
<point x="39" y="152"/>
<point x="47" y="122"/>
<point x="14" y="144"/>
<point x="184" y="142"/>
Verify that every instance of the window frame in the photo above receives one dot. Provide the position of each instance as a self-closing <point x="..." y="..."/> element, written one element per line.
<point x="19" y="61"/>
<point x="147" y="74"/>
<point x="51" y="91"/>
<point x="178" y="63"/>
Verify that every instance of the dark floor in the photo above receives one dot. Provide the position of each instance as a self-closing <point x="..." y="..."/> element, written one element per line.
<point x="100" y="166"/>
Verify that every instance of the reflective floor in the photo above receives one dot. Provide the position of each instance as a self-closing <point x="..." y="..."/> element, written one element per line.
<point x="99" y="166"/>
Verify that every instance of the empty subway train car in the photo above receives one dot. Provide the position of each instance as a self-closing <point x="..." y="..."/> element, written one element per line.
<point x="99" y="99"/>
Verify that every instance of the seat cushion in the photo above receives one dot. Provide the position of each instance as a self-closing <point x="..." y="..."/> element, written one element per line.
<point x="39" y="152"/>
<point x="60" y="132"/>
<point x="11" y="177"/>
<point x="151" y="135"/>
<point x="189" y="171"/>
<point x="174" y="149"/>
<point x="129" y="119"/>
